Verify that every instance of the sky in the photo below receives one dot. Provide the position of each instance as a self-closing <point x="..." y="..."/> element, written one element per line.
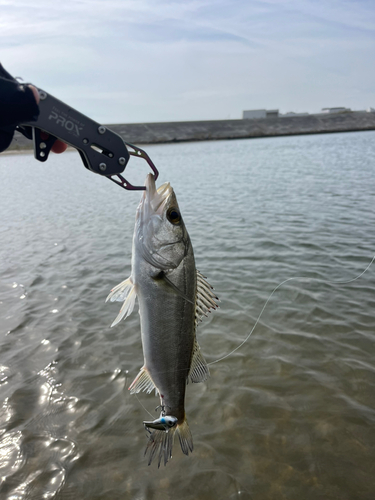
<point x="130" y="61"/>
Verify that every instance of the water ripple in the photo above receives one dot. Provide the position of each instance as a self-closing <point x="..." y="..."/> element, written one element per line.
<point x="289" y="415"/>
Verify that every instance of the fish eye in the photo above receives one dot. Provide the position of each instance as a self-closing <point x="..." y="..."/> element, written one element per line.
<point x="173" y="215"/>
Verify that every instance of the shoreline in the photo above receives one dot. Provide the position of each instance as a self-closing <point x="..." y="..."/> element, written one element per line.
<point x="211" y="130"/>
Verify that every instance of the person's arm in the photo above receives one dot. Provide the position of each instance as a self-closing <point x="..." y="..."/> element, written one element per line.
<point x="17" y="105"/>
<point x="17" y="102"/>
<point x="48" y="122"/>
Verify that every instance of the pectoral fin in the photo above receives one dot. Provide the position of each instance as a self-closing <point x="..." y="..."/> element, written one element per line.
<point x="172" y="285"/>
<point x="125" y="291"/>
<point x="120" y="292"/>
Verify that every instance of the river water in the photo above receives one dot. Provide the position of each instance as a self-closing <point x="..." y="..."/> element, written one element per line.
<point x="290" y="415"/>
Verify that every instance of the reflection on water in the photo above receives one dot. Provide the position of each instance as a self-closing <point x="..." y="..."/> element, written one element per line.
<point x="289" y="415"/>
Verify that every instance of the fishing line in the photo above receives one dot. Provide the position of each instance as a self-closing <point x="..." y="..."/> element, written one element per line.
<point x="295" y="278"/>
<point x="300" y="278"/>
<point x="152" y="416"/>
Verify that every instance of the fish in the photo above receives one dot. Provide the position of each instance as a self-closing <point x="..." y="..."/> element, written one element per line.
<point x="173" y="297"/>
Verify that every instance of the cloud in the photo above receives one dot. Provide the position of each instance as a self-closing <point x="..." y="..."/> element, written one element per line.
<point x="155" y="60"/>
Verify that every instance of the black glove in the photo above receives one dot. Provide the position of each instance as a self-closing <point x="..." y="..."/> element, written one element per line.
<point x="17" y="105"/>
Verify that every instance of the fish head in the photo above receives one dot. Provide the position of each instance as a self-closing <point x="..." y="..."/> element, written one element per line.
<point x="160" y="234"/>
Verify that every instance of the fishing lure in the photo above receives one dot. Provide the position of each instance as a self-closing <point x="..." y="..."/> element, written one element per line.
<point x="163" y="423"/>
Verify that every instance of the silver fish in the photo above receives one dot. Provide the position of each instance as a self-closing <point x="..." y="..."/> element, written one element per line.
<point x="173" y="297"/>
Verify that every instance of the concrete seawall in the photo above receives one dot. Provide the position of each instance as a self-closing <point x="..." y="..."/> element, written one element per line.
<point x="151" y="133"/>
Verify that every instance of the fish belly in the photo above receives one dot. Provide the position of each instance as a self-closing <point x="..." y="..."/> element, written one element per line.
<point x="168" y="333"/>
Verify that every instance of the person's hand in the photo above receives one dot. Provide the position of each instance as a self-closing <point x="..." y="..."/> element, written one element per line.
<point x="59" y="146"/>
<point x="36" y="93"/>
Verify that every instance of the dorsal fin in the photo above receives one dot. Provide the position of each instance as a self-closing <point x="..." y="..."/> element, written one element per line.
<point x="206" y="298"/>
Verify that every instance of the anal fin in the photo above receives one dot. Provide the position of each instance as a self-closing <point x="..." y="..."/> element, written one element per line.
<point x="199" y="371"/>
<point x="142" y="382"/>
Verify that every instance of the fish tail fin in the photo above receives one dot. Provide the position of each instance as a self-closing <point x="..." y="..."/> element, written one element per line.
<point x="160" y="443"/>
<point x="185" y="437"/>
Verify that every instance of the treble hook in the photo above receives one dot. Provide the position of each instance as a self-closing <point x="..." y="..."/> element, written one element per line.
<point x="162" y="407"/>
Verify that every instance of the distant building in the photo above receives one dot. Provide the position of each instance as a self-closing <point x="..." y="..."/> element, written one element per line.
<point x="292" y="113"/>
<point x="253" y="114"/>
<point x="336" y="110"/>
<point x="272" y="113"/>
<point x="260" y="113"/>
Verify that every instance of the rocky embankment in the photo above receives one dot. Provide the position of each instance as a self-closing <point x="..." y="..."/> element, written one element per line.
<point x="152" y="133"/>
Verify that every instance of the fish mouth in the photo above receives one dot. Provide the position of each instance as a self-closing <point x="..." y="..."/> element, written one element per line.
<point x="153" y="235"/>
<point x="154" y="199"/>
